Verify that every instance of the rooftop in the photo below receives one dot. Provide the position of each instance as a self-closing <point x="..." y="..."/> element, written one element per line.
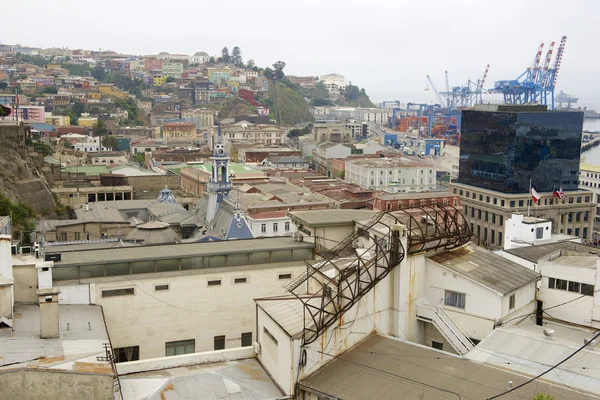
<point x="239" y="380"/>
<point x="416" y="196"/>
<point x="537" y="252"/>
<point x="330" y="217"/>
<point x="528" y="351"/>
<point x="176" y="251"/>
<point x="81" y="338"/>
<point x="288" y="311"/>
<point x="382" y="368"/>
<point x="386" y="162"/>
<point x="486" y="268"/>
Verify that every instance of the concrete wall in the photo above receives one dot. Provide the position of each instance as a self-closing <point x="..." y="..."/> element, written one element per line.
<point x="154" y="364"/>
<point x="26" y="282"/>
<point x="189" y="309"/>
<point x="256" y="226"/>
<point x="431" y="334"/>
<point x="154" y="182"/>
<point x="33" y="384"/>
<point x="74" y="294"/>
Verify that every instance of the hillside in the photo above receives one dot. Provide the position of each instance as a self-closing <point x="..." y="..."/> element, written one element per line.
<point x="20" y="178"/>
<point x="293" y="109"/>
<point x="352" y="96"/>
<point x="236" y="106"/>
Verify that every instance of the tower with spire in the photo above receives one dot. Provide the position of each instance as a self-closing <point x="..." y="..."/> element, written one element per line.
<point x="219" y="186"/>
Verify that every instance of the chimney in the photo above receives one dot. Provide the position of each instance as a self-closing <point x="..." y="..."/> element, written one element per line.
<point x="48" y="301"/>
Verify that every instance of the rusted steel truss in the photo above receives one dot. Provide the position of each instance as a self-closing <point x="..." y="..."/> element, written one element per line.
<point x="335" y="283"/>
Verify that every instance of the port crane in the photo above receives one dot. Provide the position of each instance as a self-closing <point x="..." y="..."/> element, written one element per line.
<point x="535" y="85"/>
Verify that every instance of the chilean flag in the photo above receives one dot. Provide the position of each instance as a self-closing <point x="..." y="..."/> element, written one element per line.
<point x="534" y="194"/>
<point x="558" y="193"/>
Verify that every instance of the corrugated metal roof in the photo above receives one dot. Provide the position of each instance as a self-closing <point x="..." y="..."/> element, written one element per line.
<point x="529" y="351"/>
<point x="288" y="312"/>
<point x="328" y="217"/>
<point x="537" y="252"/>
<point x="486" y="268"/>
<point x="233" y="380"/>
<point x="385" y="368"/>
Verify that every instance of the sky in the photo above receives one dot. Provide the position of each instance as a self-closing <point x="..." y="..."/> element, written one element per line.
<point x="386" y="47"/>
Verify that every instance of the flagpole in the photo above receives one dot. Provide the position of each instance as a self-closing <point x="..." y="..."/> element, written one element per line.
<point x="529" y="200"/>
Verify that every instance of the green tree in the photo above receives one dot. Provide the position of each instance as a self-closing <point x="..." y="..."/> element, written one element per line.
<point x="110" y="142"/>
<point x="225" y="57"/>
<point x="170" y="79"/>
<point x="342" y="174"/>
<point x="211" y="60"/>
<point x="251" y="64"/>
<point x="279" y="66"/>
<point x="268" y="73"/>
<point x="99" y="73"/>
<point x="22" y="216"/>
<point x="236" y="56"/>
<point x="78" y="108"/>
<point x="140" y="158"/>
<point x="50" y="90"/>
<point x="3" y="85"/>
<point x="321" y="102"/>
<point x="99" y="128"/>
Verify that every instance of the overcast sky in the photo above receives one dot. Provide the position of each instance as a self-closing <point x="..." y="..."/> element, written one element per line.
<point x="387" y="47"/>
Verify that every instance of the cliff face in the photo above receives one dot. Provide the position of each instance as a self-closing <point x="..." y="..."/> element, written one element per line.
<point x="20" y="176"/>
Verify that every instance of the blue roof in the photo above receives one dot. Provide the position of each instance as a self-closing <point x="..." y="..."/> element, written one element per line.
<point x="43" y="127"/>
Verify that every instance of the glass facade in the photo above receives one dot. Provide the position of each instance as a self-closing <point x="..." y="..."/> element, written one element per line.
<point x="502" y="151"/>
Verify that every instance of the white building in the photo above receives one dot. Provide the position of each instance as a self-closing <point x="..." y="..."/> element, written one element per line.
<point x="200" y="57"/>
<point x="394" y="175"/>
<point x="178" y="299"/>
<point x="271" y="224"/>
<point x="377" y="115"/>
<point x="90" y="144"/>
<point x="435" y="297"/>
<point x="334" y="83"/>
<point x="589" y="179"/>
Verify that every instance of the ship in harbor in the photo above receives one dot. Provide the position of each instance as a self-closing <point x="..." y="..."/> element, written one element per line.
<point x="565" y="100"/>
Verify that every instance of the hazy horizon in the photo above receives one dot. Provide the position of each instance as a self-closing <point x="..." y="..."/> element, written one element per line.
<point x="386" y="47"/>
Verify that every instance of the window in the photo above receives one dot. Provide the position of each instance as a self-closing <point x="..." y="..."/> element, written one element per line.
<point x="437" y="345"/>
<point x="270" y="336"/>
<point x="124" y="354"/>
<point x="287" y="226"/>
<point x="539" y="233"/>
<point x="263" y="228"/>
<point x="587" y="290"/>
<point x="180" y="347"/>
<point x="574" y="287"/>
<point x="219" y="342"/>
<point x="511" y="302"/>
<point x="512" y="203"/>
<point x="487" y="199"/>
<point x="285" y="276"/>
<point x="240" y="280"/>
<point x="118" y="292"/>
<point x="77" y="234"/>
<point x="454" y="299"/>
<point x="487" y="215"/>
<point x="521" y="202"/>
<point x="493" y="218"/>
<point x="501" y="220"/>
<point x="160" y="287"/>
<point x="478" y="214"/>
<point x="275" y="227"/>
<point x="215" y="282"/>
<point x="63" y="236"/>
<point x="246" y="339"/>
<point x="480" y="197"/>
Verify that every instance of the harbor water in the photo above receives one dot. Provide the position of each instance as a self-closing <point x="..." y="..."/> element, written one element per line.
<point x="592" y="156"/>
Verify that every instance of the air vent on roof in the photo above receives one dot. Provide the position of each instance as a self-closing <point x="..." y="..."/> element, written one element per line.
<point x="549" y="333"/>
<point x="590" y="343"/>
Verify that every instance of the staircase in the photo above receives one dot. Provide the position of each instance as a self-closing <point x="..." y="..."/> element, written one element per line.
<point x="459" y="341"/>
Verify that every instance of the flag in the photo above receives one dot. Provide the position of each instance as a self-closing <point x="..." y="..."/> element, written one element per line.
<point x="534" y="194"/>
<point x="558" y="193"/>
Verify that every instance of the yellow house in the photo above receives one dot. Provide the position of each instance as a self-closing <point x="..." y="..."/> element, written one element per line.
<point x="87" y="121"/>
<point x="53" y="66"/>
<point x="159" y="80"/>
<point x="58" y="120"/>
<point x="94" y="95"/>
<point x="111" y="90"/>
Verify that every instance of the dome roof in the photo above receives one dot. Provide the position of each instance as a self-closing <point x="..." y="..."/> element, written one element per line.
<point x="154" y="232"/>
<point x="201" y="53"/>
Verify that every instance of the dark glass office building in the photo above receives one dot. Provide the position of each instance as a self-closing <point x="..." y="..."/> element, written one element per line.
<point x="502" y="150"/>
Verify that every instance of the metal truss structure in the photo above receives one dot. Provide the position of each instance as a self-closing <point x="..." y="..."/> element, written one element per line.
<point x="351" y="269"/>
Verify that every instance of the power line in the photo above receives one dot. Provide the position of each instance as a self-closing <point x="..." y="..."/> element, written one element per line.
<point x="548" y="370"/>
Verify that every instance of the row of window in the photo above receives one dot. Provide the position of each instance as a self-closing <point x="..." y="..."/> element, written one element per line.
<point x="486" y="215"/>
<point x="286" y="227"/>
<point x="485" y="234"/>
<point x="521" y="203"/>
<point x="157" y="288"/>
<point x="570" y="286"/>
<point x="381" y="172"/>
<point x="178" y="347"/>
